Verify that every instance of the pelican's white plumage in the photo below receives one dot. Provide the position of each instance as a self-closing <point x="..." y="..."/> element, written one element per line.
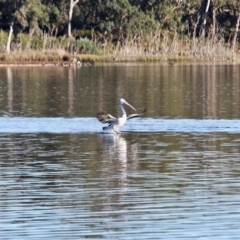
<point x="116" y="123"/>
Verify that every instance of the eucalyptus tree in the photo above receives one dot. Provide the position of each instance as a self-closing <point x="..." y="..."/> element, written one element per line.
<point x="32" y="16"/>
<point x="72" y="5"/>
<point x="216" y="6"/>
<point x="203" y="15"/>
<point x="114" y="20"/>
<point x="168" y="13"/>
<point x="233" y="7"/>
<point x="117" y="20"/>
<point x="58" y="15"/>
<point x="111" y="18"/>
<point x="207" y="17"/>
<point x="8" y="9"/>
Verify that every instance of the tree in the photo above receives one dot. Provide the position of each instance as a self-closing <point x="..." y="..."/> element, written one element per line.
<point x="168" y="13"/>
<point x="58" y="16"/>
<point x="236" y="10"/>
<point x="117" y="20"/>
<point x="32" y="16"/>
<point x="72" y="5"/>
<point x="204" y="10"/>
<point x="9" y="38"/>
<point x="233" y="43"/>
<point x="8" y="8"/>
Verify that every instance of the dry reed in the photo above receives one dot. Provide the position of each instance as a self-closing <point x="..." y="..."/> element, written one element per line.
<point x="158" y="46"/>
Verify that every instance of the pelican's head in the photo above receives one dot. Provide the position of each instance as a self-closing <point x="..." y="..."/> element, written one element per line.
<point x="123" y="101"/>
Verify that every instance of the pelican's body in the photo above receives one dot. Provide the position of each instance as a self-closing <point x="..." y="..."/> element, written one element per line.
<point x="116" y="123"/>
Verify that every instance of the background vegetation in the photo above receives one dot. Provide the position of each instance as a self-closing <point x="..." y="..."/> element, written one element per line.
<point x="119" y="30"/>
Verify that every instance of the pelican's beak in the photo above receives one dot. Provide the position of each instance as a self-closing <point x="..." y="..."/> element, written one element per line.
<point x="128" y="104"/>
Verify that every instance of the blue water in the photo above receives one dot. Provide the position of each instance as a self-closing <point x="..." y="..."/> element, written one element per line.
<point x="136" y="185"/>
<point x="91" y="125"/>
<point x="172" y="174"/>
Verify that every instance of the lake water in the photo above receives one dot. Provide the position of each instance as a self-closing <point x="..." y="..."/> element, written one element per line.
<point x="172" y="174"/>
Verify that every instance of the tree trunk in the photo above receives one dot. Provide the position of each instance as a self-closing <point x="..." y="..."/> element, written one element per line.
<point x="203" y="18"/>
<point x="9" y="39"/>
<point x="31" y="32"/>
<point x="213" y="20"/>
<point x="233" y="43"/>
<point x="72" y="5"/>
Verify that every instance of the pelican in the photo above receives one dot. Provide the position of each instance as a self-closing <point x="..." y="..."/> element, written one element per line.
<point x="115" y="123"/>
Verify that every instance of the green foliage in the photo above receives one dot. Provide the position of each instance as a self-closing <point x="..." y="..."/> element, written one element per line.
<point x="3" y="40"/>
<point x="57" y="16"/>
<point x="42" y="24"/>
<point x="87" y="46"/>
<point x="32" y="15"/>
<point x="21" y="39"/>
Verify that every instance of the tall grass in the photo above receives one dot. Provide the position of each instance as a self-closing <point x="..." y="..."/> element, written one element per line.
<point x="158" y="46"/>
<point x="173" y="47"/>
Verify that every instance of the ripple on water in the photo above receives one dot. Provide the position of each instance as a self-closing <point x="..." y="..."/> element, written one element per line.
<point x="177" y="186"/>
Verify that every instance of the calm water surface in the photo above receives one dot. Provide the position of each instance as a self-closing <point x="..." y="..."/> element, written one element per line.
<point x="174" y="174"/>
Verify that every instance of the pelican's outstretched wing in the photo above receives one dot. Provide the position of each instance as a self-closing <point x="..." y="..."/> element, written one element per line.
<point x="136" y="114"/>
<point x="105" y="118"/>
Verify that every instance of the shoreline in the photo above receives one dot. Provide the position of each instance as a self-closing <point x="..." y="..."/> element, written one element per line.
<point x="33" y="63"/>
<point x="90" y="60"/>
<point x="70" y="64"/>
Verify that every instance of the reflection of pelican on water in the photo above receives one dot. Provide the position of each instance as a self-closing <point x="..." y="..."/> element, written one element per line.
<point x="119" y="148"/>
<point x="120" y="155"/>
<point x="117" y="153"/>
<point x="116" y="123"/>
<point x="116" y="144"/>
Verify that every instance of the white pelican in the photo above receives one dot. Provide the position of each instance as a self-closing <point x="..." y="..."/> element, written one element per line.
<point x="116" y="123"/>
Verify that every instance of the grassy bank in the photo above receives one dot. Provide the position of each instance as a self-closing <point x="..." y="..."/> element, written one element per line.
<point x="167" y="48"/>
